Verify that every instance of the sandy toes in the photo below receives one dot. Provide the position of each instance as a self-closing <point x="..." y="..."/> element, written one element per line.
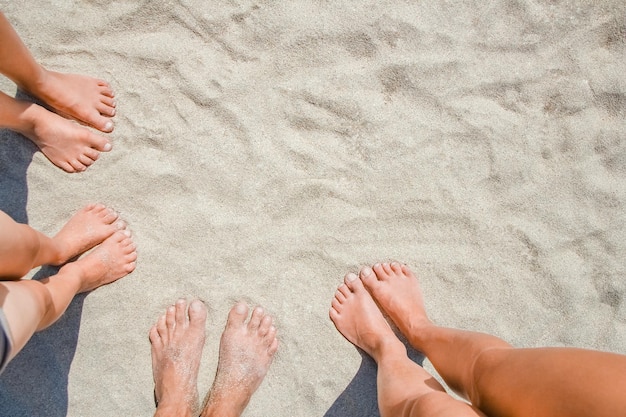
<point x="111" y="260"/>
<point x="86" y="99"/>
<point x="358" y="319"/>
<point x="86" y="229"/>
<point x="397" y="291"/>
<point x="246" y="353"/>
<point x="177" y="341"/>
<point x="66" y="144"/>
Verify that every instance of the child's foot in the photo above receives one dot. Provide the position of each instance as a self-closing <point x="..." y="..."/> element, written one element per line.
<point x="177" y="341"/>
<point x="66" y="144"/>
<point x="86" y="229"/>
<point x="246" y="353"/>
<point x="85" y="99"/>
<point x="111" y="260"/>
<point x="358" y="319"/>
<point x="397" y="292"/>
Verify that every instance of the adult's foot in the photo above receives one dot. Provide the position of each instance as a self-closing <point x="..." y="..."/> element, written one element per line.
<point x="177" y="341"/>
<point x="111" y="260"/>
<point x="246" y="353"/>
<point x="397" y="291"/>
<point x="66" y="144"/>
<point x="85" y="99"/>
<point x="358" y="319"/>
<point x="86" y="229"/>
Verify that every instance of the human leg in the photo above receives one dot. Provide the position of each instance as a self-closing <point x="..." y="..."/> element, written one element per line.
<point x="177" y="340"/>
<point x="85" y="99"/>
<point x="404" y="388"/>
<point x="246" y="353"/>
<point x="30" y="305"/>
<point x="23" y="248"/>
<point x="498" y="379"/>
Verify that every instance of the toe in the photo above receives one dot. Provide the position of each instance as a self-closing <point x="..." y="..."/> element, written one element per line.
<point x="255" y="319"/>
<point x="354" y="283"/>
<point x="170" y="320"/>
<point x="85" y="160"/>
<point x="274" y="345"/>
<point x="336" y="305"/>
<point x="161" y="328"/>
<point x="339" y="295"/>
<point x="379" y="271"/>
<point x="197" y="313"/>
<point x="154" y="336"/>
<point x="387" y="268"/>
<point x="368" y="276"/>
<point x="237" y="315"/>
<point x="407" y="272"/>
<point x="265" y="325"/>
<point x="396" y="267"/>
<point x="180" y="314"/>
<point x="343" y="290"/>
<point x="77" y="165"/>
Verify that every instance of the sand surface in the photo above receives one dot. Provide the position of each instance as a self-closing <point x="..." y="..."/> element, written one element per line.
<point x="264" y="149"/>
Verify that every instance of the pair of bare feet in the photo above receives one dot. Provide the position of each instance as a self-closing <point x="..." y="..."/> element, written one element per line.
<point x="247" y="348"/>
<point x="71" y="97"/>
<point x="99" y="227"/>
<point x="359" y="303"/>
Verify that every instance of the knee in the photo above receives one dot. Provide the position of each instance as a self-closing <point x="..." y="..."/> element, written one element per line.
<point x="485" y="366"/>
<point x="19" y="252"/>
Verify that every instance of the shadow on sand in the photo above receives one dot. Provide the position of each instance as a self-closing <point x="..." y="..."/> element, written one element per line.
<point x="35" y="382"/>
<point x="360" y="397"/>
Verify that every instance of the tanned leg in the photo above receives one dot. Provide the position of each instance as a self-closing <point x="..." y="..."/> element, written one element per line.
<point x="404" y="388"/>
<point x="177" y="341"/>
<point x="246" y="353"/>
<point x="498" y="379"/>
<point x="23" y="248"/>
<point x="31" y="305"/>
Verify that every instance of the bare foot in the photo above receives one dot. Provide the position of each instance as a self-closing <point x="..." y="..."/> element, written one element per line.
<point x="86" y="99"/>
<point x="358" y="319"/>
<point x="397" y="291"/>
<point x="86" y="229"/>
<point x="177" y="341"/>
<point x="111" y="260"/>
<point x="246" y="353"/>
<point x="66" y="144"/>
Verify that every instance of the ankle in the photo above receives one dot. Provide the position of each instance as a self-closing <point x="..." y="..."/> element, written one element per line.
<point x="419" y="333"/>
<point x="165" y="409"/>
<point x="37" y="82"/>
<point x="221" y="406"/>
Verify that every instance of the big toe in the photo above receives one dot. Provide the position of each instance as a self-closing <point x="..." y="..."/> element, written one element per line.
<point x="100" y="122"/>
<point x="354" y="283"/>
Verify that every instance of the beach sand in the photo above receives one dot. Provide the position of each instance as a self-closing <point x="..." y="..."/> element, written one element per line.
<point x="264" y="149"/>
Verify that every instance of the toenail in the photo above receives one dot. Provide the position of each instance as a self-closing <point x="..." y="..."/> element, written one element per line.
<point x="367" y="271"/>
<point x="180" y="301"/>
<point x="351" y="277"/>
<point x="107" y="147"/>
<point x="195" y="305"/>
<point x="108" y="126"/>
<point x="241" y="308"/>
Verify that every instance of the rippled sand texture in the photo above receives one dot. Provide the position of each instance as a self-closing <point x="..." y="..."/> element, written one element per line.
<point x="263" y="149"/>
